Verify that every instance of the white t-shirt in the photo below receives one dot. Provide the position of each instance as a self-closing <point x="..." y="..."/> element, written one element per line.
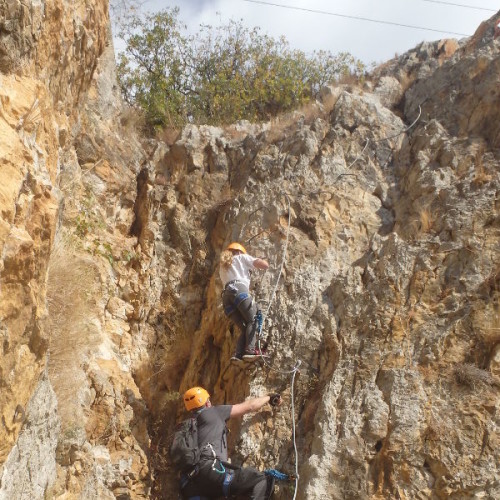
<point x="238" y="270"/>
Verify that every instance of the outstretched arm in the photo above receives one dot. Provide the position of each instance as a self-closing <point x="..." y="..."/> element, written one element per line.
<point x="252" y="405"/>
<point x="261" y="264"/>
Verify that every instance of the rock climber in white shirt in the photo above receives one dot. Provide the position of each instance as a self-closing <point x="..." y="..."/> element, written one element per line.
<point x="235" y="270"/>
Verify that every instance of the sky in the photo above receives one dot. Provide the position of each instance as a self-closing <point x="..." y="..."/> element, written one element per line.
<point x="372" y="42"/>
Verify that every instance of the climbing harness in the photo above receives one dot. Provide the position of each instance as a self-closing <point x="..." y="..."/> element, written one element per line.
<point x="261" y="317"/>
<point x="232" y="282"/>
<point x="238" y="300"/>
<point x="228" y="474"/>
<point x="222" y="469"/>
<point x="240" y="297"/>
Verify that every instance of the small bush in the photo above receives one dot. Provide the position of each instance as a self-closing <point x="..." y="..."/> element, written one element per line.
<point x="73" y="284"/>
<point x="426" y="220"/>
<point x="480" y="174"/>
<point x="219" y="75"/>
<point x="470" y="375"/>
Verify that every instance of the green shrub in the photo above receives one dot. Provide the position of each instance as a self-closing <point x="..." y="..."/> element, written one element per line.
<point x="220" y="75"/>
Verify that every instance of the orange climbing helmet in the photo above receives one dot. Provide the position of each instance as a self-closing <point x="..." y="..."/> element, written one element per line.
<point x="236" y="246"/>
<point x="195" y="398"/>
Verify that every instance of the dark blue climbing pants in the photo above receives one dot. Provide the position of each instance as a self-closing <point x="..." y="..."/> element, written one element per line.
<point x="241" y="309"/>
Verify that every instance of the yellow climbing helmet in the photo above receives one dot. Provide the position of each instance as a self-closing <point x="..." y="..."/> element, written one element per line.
<point x="195" y="398"/>
<point x="236" y="246"/>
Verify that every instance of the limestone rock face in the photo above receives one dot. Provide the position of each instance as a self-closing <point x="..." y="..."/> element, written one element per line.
<point x="31" y="465"/>
<point x="381" y="301"/>
<point x="465" y="85"/>
<point x="29" y="209"/>
<point x="57" y="88"/>
<point x="58" y="41"/>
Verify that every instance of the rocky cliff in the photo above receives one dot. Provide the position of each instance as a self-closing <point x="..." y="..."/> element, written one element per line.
<point x="378" y="209"/>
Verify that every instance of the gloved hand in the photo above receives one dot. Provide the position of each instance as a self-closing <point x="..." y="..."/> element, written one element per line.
<point x="274" y="399"/>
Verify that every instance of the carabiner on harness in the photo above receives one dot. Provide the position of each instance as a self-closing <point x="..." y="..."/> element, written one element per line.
<point x="222" y="468"/>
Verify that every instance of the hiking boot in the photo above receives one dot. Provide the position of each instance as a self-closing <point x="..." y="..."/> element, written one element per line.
<point x="254" y="353"/>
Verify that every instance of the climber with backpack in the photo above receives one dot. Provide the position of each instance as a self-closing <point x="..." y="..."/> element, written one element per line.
<point x="235" y="270"/>
<point x="199" y="449"/>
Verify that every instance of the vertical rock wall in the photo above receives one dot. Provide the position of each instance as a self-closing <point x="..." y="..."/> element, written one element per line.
<point x="58" y="96"/>
<point x="389" y="292"/>
<point x="109" y="291"/>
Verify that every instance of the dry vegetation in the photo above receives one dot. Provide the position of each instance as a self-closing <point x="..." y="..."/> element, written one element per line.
<point x="470" y="375"/>
<point x="480" y="173"/>
<point x="422" y="222"/>
<point x="169" y="135"/>
<point x="72" y="286"/>
<point x="133" y="120"/>
<point x="426" y="220"/>
<point x="283" y="123"/>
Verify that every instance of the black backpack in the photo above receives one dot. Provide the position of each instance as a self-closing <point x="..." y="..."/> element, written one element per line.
<point x="184" y="451"/>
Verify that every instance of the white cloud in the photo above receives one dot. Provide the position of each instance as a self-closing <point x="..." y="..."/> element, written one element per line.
<point x="366" y="40"/>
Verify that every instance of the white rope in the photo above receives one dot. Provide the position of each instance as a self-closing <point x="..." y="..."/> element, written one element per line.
<point x="359" y="156"/>
<point x="283" y="259"/>
<point x="380" y="140"/>
<point x="297" y="364"/>
<point x="272" y="296"/>
<point x="404" y="130"/>
<point x="296" y="369"/>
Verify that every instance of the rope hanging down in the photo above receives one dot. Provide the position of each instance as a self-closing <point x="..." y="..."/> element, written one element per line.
<point x="283" y="259"/>
<point x="293" y="434"/>
<point x="295" y="369"/>
<point x="285" y="248"/>
<point x="380" y="140"/>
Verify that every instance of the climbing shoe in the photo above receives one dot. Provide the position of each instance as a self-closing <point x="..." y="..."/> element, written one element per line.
<point x="254" y="353"/>
<point x="235" y="359"/>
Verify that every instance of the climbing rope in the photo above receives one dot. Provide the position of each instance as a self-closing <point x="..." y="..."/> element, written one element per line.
<point x="295" y="369"/>
<point x="283" y="259"/>
<point x="357" y="157"/>
<point x="272" y="296"/>
<point x="387" y="138"/>
<point x="293" y="433"/>
<point x="404" y="130"/>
